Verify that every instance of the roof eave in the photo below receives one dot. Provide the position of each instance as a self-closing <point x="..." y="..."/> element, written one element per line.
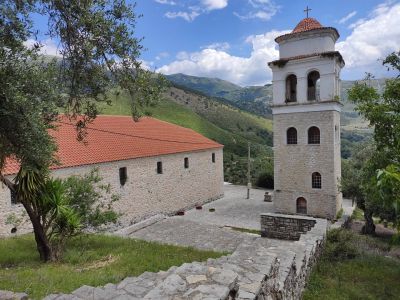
<point x="291" y="35"/>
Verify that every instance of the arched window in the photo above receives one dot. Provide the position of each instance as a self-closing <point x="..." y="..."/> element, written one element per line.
<point x="313" y="135"/>
<point x="291" y="136"/>
<point x="316" y="180"/>
<point x="313" y="86"/>
<point x="301" y="206"/>
<point x="291" y="88"/>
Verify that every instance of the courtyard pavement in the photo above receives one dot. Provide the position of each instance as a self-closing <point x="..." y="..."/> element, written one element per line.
<point x="207" y="230"/>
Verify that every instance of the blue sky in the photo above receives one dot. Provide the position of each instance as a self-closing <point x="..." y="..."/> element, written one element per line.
<point x="234" y="39"/>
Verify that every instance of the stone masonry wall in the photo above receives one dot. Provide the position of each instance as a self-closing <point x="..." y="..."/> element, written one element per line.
<point x="285" y="227"/>
<point x="145" y="193"/>
<point x="260" y="268"/>
<point x="294" y="164"/>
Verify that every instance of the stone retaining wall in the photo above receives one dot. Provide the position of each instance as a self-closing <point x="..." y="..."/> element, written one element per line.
<point x="258" y="269"/>
<point x="285" y="227"/>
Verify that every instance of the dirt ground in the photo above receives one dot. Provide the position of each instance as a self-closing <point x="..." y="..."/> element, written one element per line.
<point x="381" y="233"/>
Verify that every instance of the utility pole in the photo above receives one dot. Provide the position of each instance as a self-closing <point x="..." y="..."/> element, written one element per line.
<point x="248" y="172"/>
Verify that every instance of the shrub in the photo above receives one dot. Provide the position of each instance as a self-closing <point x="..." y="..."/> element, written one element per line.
<point x="265" y="180"/>
<point x="340" y="245"/>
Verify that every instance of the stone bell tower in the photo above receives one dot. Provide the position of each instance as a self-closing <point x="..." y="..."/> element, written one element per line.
<point x="306" y="115"/>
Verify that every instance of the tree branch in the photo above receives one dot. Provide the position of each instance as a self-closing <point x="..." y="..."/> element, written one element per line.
<point x="7" y="182"/>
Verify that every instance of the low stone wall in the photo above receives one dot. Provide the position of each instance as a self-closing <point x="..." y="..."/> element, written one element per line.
<point x="262" y="269"/>
<point x="285" y="227"/>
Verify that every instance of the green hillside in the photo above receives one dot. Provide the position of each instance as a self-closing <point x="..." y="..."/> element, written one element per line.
<point x="257" y="99"/>
<point x="214" y="87"/>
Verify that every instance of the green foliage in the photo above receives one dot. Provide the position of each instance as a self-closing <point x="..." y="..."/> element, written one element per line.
<point x="91" y="199"/>
<point x="340" y="245"/>
<point x="382" y="110"/>
<point x="99" y="50"/>
<point x="266" y="180"/>
<point x="353" y="266"/>
<point x="93" y="260"/>
<point x="64" y="207"/>
<point x="389" y="189"/>
<point x="339" y="214"/>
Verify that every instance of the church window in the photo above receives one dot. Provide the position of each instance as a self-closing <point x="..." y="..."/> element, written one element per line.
<point x="291" y="88"/>
<point x="313" y="86"/>
<point x="159" y="167"/>
<point x="13" y="197"/>
<point x="291" y="136"/>
<point x="301" y="206"/>
<point x="313" y="135"/>
<point x="213" y="157"/>
<point x="186" y="162"/>
<point x="316" y="180"/>
<point x="123" y="176"/>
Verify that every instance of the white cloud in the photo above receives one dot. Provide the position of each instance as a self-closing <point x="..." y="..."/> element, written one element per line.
<point x="372" y="38"/>
<point x="215" y="4"/>
<point x="190" y="10"/>
<point x="347" y="17"/>
<point x="240" y="70"/>
<point x="166" y="2"/>
<point x="48" y="46"/>
<point x="218" y="46"/>
<point x="187" y="16"/>
<point x="260" y="9"/>
<point x="162" y="55"/>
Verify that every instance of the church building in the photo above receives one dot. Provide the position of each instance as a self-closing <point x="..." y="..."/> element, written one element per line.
<point x="306" y="114"/>
<point x="155" y="167"/>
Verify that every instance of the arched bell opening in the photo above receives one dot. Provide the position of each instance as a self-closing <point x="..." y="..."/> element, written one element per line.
<point x="313" y="83"/>
<point x="291" y="88"/>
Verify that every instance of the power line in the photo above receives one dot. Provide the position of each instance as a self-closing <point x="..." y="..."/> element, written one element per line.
<point x="138" y="136"/>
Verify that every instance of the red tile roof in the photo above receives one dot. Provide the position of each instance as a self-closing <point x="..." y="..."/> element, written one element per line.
<point x="113" y="138"/>
<point x="307" y="24"/>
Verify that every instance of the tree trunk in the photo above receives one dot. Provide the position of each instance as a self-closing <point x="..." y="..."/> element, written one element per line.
<point x="42" y="243"/>
<point x="369" y="226"/>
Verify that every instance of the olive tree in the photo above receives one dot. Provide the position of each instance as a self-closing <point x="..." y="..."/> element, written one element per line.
<point x="99" y="51"/>
<point x="382" y="110"/>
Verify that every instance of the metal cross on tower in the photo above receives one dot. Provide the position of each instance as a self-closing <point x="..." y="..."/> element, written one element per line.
<point x="307" y="10"/>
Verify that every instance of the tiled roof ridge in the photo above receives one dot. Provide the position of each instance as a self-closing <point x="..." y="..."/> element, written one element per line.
<point x="116" y="138"/>
<point x="307" y="24"/>
<point x="141" y="137"/>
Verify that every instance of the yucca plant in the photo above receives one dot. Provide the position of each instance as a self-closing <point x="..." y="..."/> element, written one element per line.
<point x="53" y="218"/>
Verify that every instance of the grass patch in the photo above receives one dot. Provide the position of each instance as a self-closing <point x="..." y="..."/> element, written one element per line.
<point x="254" y="231"/>
<point x="353" y="267"/>
<point x="89" y="260"/>
<point x="358" y="214"/>
<point x="339" y="214"/>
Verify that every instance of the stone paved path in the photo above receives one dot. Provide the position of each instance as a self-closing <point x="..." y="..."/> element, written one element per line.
<point x="233" y="209"/>
<point x="182" y="232"/>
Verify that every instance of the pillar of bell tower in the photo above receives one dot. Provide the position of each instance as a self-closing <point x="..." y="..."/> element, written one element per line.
<point x="306" y="114"/>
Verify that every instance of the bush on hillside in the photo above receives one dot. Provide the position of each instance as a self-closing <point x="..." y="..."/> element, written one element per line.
<point x="340" y="245"/>
<point x="265" y="180"/>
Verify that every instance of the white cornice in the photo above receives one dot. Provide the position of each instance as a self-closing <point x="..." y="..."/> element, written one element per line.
<point x="305" y="107"/>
